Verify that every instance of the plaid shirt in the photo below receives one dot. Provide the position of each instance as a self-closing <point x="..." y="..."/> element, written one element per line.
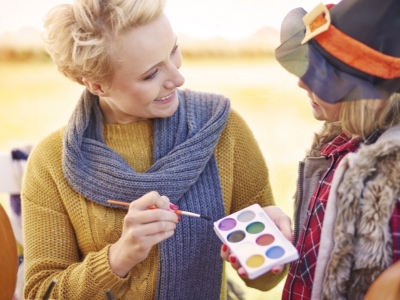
<point x="395" y="228"/>
<point x="299" y="281"/>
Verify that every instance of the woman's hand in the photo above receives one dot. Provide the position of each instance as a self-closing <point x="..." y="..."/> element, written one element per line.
<point x="142" y="229"/>
<point x="281" y="220"/>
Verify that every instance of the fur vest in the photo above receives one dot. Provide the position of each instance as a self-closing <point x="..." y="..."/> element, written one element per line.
<point x="356" y="241"/>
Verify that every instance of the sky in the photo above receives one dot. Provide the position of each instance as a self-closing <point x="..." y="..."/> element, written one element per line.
<point x="230" y="19"/>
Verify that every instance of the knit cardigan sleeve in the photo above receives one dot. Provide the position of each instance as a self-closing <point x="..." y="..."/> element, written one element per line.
<point x="239" y="158"/>
<point x="249" y="180"/>
<point x="55" y="250"/>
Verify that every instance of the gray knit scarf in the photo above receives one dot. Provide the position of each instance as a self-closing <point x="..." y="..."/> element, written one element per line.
<point x="184" y="169"/>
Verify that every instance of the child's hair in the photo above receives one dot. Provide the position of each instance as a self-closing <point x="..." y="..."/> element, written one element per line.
<point x="80" y="36"/>
<point x="363" y="117"/>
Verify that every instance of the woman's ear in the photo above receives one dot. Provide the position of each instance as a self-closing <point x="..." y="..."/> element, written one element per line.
<point x="95" y="88"/>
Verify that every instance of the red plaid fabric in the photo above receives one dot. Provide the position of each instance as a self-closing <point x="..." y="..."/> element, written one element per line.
<point x="300" y="278"/>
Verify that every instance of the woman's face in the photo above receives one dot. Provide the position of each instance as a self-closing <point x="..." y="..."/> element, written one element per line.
<point x="321" y="110"/>
<point x="144" y="83"/>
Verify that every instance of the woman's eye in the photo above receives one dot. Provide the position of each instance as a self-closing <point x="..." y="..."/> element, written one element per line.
<point x="152" y="75"/>
<point x="174" y="50"/>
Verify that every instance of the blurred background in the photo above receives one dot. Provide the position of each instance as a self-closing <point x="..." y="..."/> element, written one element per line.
<point x="227" y="47"/>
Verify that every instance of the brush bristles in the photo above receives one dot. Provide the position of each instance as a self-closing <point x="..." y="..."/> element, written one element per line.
<point x="205" y="217"/>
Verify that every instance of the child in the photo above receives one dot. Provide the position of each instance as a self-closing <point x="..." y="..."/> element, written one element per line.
<point x="347" y="212"/>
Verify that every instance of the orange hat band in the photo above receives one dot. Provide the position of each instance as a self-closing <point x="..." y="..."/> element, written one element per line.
<point x="361" y="57"/>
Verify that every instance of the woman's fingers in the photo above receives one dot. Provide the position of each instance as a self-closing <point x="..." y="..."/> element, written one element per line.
<point x="237" y="266"/>
<point x="242" y="273"/>
<point x="149" y="208"/>
<point x="149" y="216"/>
<point x="149" y="221"/>
<point x="151" y="199"/>
<point x="234" y="261"/>
<point x="152" y="228"/>
<point x="144" y="243"/>
<point x="225" y="252"/>
<point x="277" y="269"/>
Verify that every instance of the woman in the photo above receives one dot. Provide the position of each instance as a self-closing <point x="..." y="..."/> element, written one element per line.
<point x="347" y="210"/>
<point x="134" y="137"/>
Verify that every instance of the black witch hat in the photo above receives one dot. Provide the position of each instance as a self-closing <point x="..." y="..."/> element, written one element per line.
<point x="346" y="51"/>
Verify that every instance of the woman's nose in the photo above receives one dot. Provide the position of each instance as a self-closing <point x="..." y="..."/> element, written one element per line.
<point x="175" y="79"/>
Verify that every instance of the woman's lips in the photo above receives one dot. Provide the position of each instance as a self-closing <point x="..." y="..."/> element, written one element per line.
<point x="166" y="99"/>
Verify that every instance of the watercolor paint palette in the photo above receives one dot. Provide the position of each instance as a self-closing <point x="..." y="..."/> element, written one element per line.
<point x="255" y="240"/>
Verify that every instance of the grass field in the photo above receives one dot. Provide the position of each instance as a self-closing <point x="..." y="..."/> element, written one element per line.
<point x="35" y="100"/>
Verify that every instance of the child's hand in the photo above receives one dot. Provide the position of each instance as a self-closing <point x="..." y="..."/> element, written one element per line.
<point x="281" y="220"/>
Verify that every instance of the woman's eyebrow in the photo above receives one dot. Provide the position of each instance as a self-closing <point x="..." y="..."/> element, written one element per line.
<point x="176" y="39"/>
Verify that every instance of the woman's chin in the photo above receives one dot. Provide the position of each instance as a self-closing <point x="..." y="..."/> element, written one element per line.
<point x="166" y="112"/>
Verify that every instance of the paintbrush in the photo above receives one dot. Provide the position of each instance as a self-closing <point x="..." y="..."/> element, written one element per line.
<point x="177" y="211"/>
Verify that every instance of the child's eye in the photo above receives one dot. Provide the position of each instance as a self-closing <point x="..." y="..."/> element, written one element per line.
<point x="152" y="75"/>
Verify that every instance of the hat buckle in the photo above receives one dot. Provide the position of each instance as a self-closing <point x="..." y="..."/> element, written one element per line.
<point x="316" y="21"/>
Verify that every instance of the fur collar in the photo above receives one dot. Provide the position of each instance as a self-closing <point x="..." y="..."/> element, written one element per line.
<point x="362" y="239"/>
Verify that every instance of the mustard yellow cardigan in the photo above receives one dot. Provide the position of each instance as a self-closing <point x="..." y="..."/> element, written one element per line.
<point x="67" y="237"/>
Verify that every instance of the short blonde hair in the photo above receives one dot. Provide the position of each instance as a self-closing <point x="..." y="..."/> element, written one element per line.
<point x="79" y="37"/>
<point x="363" y="117"/>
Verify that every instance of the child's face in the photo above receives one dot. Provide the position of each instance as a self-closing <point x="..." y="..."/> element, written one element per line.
<point x="321" y="110"/>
